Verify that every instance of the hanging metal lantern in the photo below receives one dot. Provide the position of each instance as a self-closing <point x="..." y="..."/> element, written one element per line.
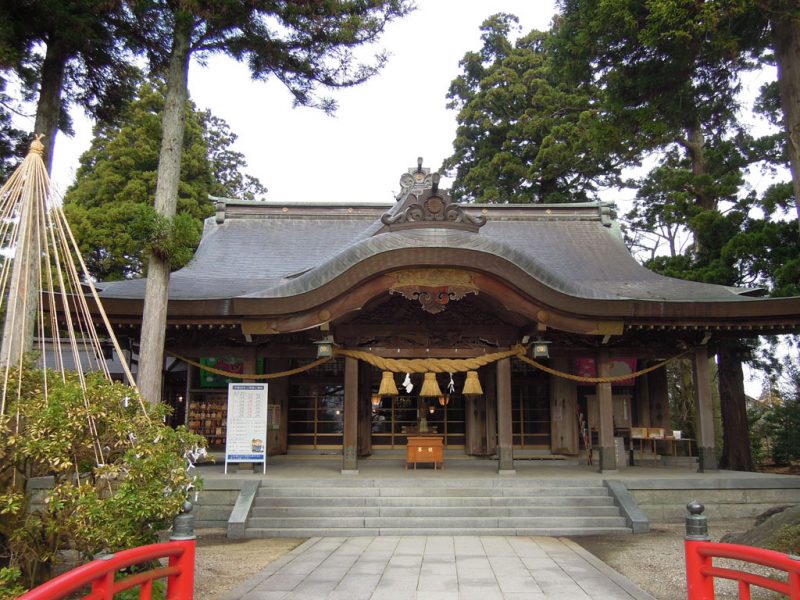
<point x="376" y="401"/>
<point x="444" y="399"/>
<point x="325" y="347"/>
<point x="540" y="349"/>
<point x="388" y="386"/>
<point x="472" y="385"/>
<point x="430" y="387"/>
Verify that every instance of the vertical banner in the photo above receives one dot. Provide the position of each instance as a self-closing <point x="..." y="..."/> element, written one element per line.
<point x="246" y="439"/>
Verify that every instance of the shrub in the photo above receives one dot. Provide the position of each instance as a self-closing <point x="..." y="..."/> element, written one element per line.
<point x="786" y="539"/>
<point x="119" y="474"/>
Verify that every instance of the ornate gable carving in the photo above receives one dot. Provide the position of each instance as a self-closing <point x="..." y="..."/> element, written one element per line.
<point x="433" y="288"/>
<point x="419" y="207"/>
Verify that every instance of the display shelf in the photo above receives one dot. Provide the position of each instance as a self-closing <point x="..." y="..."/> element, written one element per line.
<point x="208" y="417"/>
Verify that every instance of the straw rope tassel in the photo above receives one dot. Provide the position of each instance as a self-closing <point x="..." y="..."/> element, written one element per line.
<point x="431" y="365"/>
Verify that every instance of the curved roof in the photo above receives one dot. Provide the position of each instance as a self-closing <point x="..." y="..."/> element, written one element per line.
<point x="268" y="250"/>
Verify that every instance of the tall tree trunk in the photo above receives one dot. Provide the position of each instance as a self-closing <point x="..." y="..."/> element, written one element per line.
<point x="696" y="147"/>
<point x="154" y="317"/>
<point x="48" y="109"/>
<point x="786" y="39"/>
<point x="18" y="332"/>
<point x="736" y="453"/>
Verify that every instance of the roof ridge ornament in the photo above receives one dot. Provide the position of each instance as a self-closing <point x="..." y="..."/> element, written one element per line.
<point x="415" y="181"/>
<point x="422" y="204"/>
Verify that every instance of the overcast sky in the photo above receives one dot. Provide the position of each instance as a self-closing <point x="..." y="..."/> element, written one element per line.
<point x="380" y="128"/>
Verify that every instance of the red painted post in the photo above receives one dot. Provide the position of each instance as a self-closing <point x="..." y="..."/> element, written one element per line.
<point x="698" y="585"/>
<point x="181" y="585"/>
<point x="103" y="586"/>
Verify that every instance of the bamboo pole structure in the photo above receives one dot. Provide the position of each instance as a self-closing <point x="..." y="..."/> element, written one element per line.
<point x="44" y="284"/>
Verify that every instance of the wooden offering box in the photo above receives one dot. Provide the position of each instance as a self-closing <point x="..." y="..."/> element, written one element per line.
<point x="425" y="449"/>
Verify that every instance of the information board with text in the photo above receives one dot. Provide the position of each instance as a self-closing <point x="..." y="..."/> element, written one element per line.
<point x="246" y="440"/>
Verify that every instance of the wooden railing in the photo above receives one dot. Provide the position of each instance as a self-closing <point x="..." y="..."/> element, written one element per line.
<point x="701" y="572"/>
<point x="102" y="575"/>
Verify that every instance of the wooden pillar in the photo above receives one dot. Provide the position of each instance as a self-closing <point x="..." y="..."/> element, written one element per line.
<point x="350" y="438"/>
<point x="605" y="405"/>
<point x="659" y="399"/>
<point x="480" y="421"/>
<point x="563" y="411"/>
<point x="187" y="397"/>
<point x="490" y="408"/>
<point x="364" y="409"/>
<point x="278" y="390"/>
<point x="504" y="427"/>
<point x="475" y="423"/>
<point x="642" y="392"/>
<point x="705" y="412"/>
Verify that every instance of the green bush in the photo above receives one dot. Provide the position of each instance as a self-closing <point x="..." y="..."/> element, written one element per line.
<point x="119" y="474"/>
<point x="9" y="584"/>
<point x="786" y="540"/>
<point x="782" y="425"/>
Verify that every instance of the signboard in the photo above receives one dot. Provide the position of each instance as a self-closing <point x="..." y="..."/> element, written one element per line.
<point x="585" y="367"/>
<point x="231" y="364"/>
<point x="246" y="439"/>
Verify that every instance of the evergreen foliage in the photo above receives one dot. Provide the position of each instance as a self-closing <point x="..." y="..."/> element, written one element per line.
<point x="525" y="133"/>
<point x="775" y="421"/>
<point x="67" y="52"/>
<point x="556" y="115"/>
<point x="110" y="206"/>
<point x="305" y="45"/>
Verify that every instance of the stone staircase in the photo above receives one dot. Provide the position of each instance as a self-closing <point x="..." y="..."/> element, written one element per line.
<point x="351" y="507"/>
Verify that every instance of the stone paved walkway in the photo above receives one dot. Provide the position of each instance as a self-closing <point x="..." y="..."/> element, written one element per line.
<point x="437" y="568"/>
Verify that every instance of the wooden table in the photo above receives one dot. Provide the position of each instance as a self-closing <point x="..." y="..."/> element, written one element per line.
<point x="425" y="449"/>
<point x="673" y="443"/>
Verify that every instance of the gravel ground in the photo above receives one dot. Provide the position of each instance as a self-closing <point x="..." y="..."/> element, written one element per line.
<point x="653" y="561"/>
<point x="223" y="564"/>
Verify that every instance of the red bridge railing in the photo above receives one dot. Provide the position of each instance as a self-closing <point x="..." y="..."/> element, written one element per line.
<point x="101" y="574"/>
<point x="701" y="572"/>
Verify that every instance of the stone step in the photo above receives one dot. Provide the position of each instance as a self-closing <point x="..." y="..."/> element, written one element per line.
<point x="429" y="491"/>
<point x="432" y="506"/>
<point x="302" y="532"/>
<point x="435" y="511"/>
<point x="434" y="481"/>
<point x="423" y="501"/>
<point x="433" y="522"/>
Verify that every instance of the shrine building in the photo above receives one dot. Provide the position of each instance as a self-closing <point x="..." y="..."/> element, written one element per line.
<point x="486" y="326"/>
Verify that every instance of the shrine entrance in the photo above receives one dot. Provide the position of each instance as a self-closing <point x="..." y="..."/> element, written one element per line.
<point x="530" y="408"/>
<point x="396" y="417"/>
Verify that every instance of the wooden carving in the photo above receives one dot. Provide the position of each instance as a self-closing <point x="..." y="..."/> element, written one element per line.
<point x="433" y="288"/>
<point x="432" y="209"/>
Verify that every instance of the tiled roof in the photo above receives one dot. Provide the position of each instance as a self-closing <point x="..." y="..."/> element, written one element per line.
<point x="268" y="250"/>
